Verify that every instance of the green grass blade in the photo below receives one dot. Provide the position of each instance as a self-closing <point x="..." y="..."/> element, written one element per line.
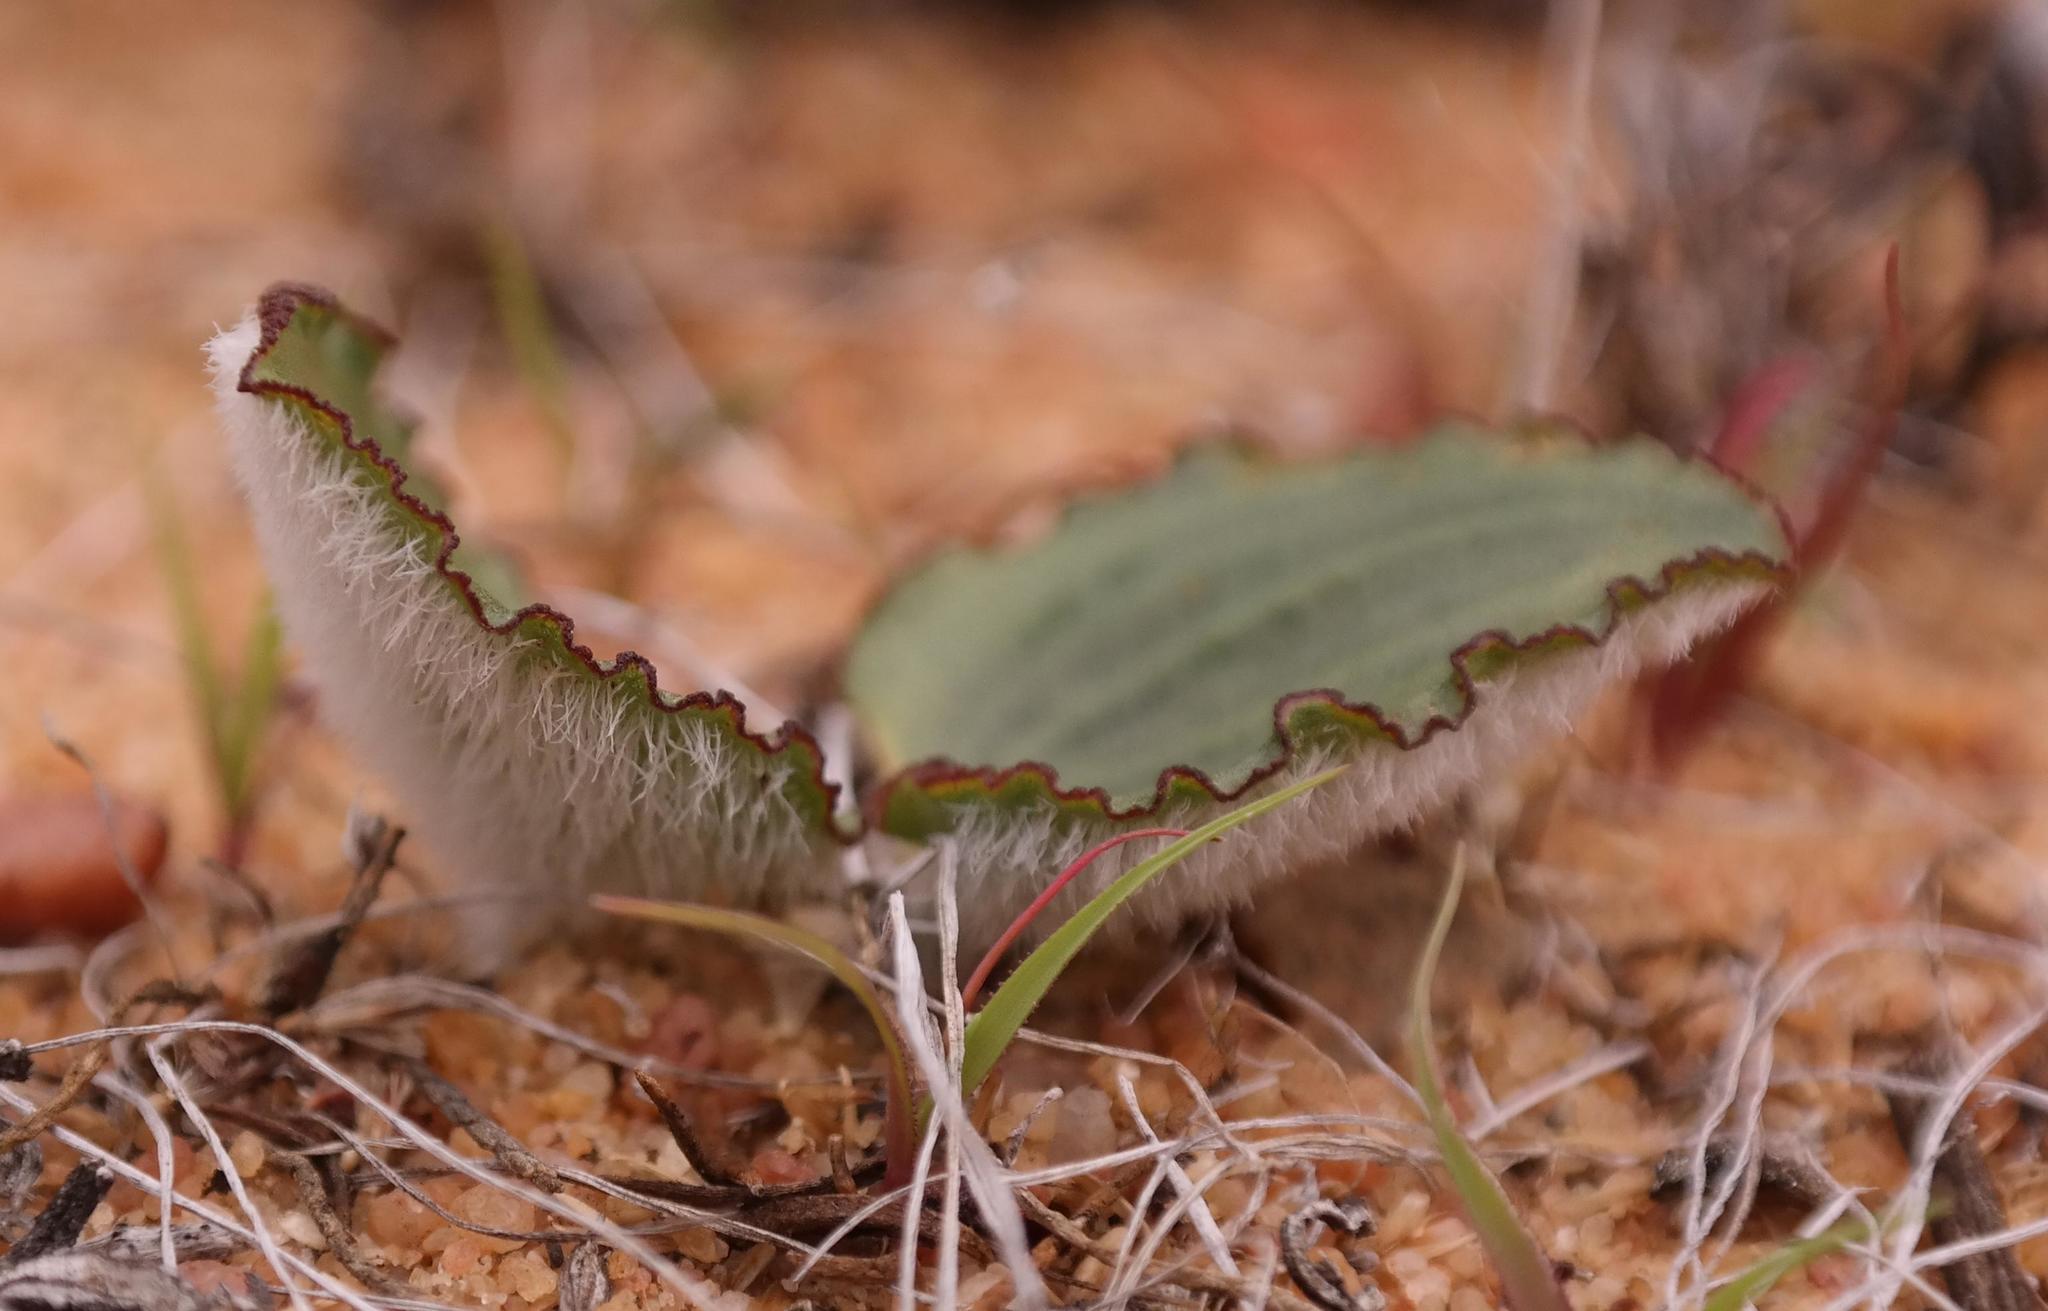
<point x="996" y="1024"/>
<point x="247" y="717"/>
<point x="1754" y="1282"/>
<point x="195" y="638"/>
<point x="899" y="1143"/>
<point x="1526" y="1274"/>
<point x="523" y="318"/>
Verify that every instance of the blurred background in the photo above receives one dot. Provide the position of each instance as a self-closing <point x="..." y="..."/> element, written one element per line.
<point x="715" y="313"/>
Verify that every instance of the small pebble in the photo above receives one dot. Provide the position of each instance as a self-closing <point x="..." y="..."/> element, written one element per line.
<point x="247" y="1154"/>
<point x="1466" y="1260"/>
<point x="396" y="1220"/>
<point x="702" y="1246"/>
<point x="1406" y="1264"/>
<point x="496" y="1209"/>
<point x="986" y="1290"/>
<point x="773" y="1165"/>
<point x="685" y="1032"/>
<point x="1431" y="1288"/>
<point x="463" y="1254"/>
<point x="1404" y="1218"/>
<point x="1082" y="1126"/>
<point x="216" y="1277"/>
<point x="592" y="1079"/>
<point x="1469" y="1298"/>
<point x="300" y="1228"/>
<point x="528" y="1275"/>
<point x="58" y="866"/>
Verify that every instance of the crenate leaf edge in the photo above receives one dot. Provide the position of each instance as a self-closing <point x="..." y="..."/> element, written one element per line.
<point x="907" y="803"/>
<point x="911" y="802"/>
<point x="276" y="311"/>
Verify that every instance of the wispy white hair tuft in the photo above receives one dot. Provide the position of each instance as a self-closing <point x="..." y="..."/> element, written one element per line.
<point x="529" y="782"/>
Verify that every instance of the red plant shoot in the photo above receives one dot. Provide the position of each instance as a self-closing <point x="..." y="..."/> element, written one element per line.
<point x="1686" y="698"/>
<point x="972" y="988"/>
<point x="1757" y="404"/>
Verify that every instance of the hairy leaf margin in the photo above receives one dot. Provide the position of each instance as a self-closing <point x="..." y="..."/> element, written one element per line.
<point x="364" y="429"/>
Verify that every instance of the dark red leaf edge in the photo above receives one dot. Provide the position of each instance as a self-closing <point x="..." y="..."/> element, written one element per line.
<point x="903" y="803"/>
<point x="275" y="310"/>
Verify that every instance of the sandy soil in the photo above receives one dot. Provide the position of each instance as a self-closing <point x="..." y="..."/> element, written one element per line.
<point x="927" y="270"/>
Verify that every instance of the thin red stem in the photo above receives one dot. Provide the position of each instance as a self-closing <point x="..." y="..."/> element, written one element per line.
<point x="1688" y="698"/>
<point x="1758" y="403"/>
<point x="972" y="989"/>
<point x="1845" y="490"/>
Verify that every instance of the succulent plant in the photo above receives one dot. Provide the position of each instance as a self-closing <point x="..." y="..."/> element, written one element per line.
<point x="1420" y="614"/>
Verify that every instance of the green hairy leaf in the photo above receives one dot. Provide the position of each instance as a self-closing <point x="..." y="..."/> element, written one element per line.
<point x="530" y="768"/>
<point x="1429" y="612"/>
<point x="1422" y="615"/>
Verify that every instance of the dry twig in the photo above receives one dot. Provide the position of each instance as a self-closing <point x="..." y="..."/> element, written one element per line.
<point x="1311" y="1273"/>
<point x="708" y="1167"/>
<point x="510" y="1154"/>
<point x="80" y="1076"/>
<point x="85" y="1281"/>
<point x="584" y="1285"/>
<point x="341" y="1240"/>
<point x="302" y="976"/>
<point x="63" y="1220"/>
<point x="1968" y="1205"/>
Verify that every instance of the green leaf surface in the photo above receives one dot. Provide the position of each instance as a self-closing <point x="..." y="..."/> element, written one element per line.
<point x="322" y="363"/>
<point x="1207" y="625"/>
<point x="1429" y="612"/>
<point x="248" y="716"/>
